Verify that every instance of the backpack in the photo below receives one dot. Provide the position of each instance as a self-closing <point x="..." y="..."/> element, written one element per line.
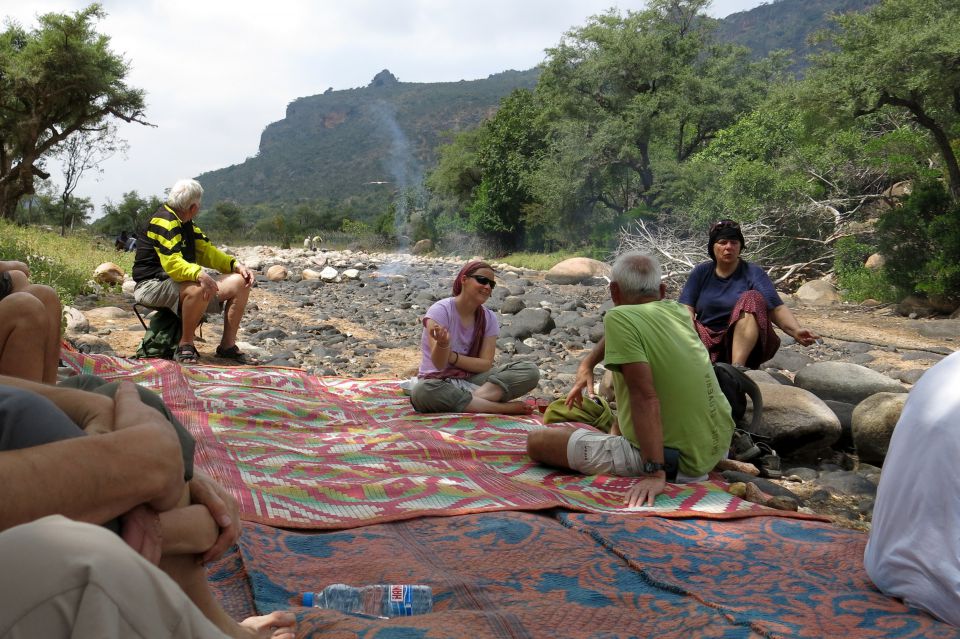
<point x="162" y="335"/>
<point x="736" y="387"/>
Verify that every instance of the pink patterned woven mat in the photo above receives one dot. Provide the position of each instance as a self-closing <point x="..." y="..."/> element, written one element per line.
<point x="307" y="452"/>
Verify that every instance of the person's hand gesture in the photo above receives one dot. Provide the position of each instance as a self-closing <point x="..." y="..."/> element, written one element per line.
<point x="223" y="508"/>
<point x="440" y="335"/>
<point x="805" y="336"/>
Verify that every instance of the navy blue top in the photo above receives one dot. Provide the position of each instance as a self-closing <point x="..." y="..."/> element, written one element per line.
<point x="713" y="297"/>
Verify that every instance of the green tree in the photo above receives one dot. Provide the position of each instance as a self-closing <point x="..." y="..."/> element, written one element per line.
<point x="509" y="149"/>
<point x="130" y="214"/>
<point x="921" y="242"/>
<point x="55" y="81"/>
<point x="904" y="55"/>
<point x="636" y="92"/>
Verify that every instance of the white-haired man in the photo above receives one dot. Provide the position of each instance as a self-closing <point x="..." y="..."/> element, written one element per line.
<point x="168" y="270"/>
<point x="667" y="395"/>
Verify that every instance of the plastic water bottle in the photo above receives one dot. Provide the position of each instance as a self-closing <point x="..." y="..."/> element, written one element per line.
<point x="379" y="600"/>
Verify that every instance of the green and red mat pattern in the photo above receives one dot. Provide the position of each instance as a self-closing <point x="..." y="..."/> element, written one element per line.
<point x="301" y="451"/>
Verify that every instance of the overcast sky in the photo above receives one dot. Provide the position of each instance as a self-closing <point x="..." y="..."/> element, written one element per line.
<point x="217" y="72"/>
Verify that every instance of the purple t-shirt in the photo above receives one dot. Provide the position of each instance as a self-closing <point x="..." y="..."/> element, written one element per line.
<point x="445" y="314"/>
<point x="713" y="297"/>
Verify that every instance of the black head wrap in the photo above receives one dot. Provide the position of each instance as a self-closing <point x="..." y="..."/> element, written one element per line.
<point x="724" y="230"/>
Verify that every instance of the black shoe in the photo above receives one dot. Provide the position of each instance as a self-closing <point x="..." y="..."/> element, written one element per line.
<point x="742" y="446"/>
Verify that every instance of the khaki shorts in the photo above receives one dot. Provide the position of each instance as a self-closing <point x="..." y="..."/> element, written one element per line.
<point x="166" y="294"/>
<point x="594" y="453"/>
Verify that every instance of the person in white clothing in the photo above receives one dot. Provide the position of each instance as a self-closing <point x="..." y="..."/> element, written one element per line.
<point x="913" y="552"/>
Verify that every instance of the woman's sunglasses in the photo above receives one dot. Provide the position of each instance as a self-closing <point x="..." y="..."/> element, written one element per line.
<point x="724" y="224"/>
<point x="484" y="281"/>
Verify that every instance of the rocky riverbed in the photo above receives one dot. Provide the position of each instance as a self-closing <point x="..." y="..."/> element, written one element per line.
<point x="354" y="314"/>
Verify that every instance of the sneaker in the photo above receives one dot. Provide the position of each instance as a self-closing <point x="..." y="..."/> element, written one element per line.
<point x="742" y="447"/>
<point x="768" y="462"/>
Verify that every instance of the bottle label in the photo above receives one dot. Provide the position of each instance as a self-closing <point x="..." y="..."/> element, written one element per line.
<point x="401" y="600"/>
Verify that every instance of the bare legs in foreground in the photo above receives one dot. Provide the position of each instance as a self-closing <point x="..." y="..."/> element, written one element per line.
<point x="30" y="331"/>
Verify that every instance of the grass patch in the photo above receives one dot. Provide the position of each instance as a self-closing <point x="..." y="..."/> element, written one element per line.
<point x="64" y="263"/>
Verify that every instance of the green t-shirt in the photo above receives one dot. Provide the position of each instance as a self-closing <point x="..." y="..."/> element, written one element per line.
<point x="694" y="413"/>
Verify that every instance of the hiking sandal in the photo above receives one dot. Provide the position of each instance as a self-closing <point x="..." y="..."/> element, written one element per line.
<point x="232" y="353"/>
<point x="768" y="462"/>
<point x="186" y="354"/>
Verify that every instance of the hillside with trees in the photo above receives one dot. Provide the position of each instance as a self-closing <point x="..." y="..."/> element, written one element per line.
<point x="359" y="147"/>
<point x="357" y="150"/>
<point x="784" y="25"/>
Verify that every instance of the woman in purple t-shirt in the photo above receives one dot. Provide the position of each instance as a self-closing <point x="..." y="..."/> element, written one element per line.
<point x="733" y="302"/>
<point x="458" y="346"/>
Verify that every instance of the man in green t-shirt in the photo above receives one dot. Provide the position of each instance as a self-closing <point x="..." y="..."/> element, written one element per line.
<point x="667" y="394"/>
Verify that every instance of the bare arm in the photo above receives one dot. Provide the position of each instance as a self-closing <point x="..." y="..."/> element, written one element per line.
<point x="584" y="380"/>
<point x="787" y="321"/>
<point x="648" y="428"/>
<point x="95" y="479"/>
<point x="481" y="363"/>
<point x="92" y="412"/>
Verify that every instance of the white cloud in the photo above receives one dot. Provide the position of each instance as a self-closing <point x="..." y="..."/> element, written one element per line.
<point x="217" y="72"/>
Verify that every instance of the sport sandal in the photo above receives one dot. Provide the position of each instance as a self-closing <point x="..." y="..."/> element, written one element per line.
<point x="768" y="463"/>
<point x="186" y="354"/>
<point x="232" y="353"/>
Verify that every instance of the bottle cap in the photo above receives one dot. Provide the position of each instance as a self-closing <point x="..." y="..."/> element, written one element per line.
<point x="308" y="599"/>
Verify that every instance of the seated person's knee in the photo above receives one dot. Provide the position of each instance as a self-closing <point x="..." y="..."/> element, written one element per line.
<point x="26" y="311"/>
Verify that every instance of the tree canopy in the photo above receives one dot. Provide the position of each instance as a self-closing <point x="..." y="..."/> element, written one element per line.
<point x="903" y="55"/>
<point x="56" y="81"/>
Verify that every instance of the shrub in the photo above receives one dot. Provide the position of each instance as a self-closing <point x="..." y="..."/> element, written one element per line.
<point x="921" y="242"/>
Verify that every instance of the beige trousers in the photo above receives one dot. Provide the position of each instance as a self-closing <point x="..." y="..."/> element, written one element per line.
<point x="60" y="578"/>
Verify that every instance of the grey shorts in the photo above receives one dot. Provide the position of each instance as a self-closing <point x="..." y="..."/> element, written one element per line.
<point x="447" y="396"/>
<point x="166" y="294"/>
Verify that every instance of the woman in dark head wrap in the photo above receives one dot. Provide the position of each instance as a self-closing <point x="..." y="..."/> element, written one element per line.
<point x="458" y="347"/>
<point x="733" y="302"/>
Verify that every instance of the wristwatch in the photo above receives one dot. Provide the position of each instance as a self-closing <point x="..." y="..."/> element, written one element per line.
<point x="650" y="467"/>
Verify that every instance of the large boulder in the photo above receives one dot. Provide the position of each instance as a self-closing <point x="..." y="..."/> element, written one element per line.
<point x="844" y="382"/>
<point x="422" y="247"/>
<point x="577" y="270"/>
<point x="796" y="420"/>
<point x="818" y="293"/>
<point x="872" y="425"/>
<point x="77" y="322"/>
<point x="529" y="321"/>
<point x="108" y="273"/>
<point x="277" y="273"/>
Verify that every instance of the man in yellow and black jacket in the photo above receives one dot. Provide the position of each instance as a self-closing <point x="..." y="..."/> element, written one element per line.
<point x="168" y="270"/>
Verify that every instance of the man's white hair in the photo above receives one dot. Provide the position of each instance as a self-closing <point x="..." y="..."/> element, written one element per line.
<point x="184" y="193"/>
<point x="637" y="274"/>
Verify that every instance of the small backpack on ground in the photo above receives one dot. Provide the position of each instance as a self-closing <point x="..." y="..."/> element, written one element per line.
<point x="747" y="444"/>
<point x="162" y="335"/>
<point x="737" y="387"/>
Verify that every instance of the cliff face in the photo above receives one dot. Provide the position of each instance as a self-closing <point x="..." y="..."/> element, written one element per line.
<point x="333" y="145"/>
